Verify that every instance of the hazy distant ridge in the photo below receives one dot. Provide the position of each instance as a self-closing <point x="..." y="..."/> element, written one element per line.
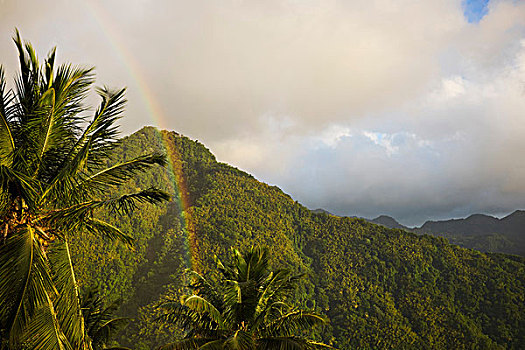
<point x="478" y="231"/>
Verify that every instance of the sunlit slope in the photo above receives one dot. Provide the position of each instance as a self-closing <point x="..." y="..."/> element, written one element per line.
<point x="381" y="288"/>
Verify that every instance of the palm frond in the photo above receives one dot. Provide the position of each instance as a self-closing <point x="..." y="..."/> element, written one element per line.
<point x="213" y="345"/>
<point x="102" y="130"/>
<point x="44" y="331"/>
<point x="100" y="323"/>
<point x="74" y="184"/>
<point x="121" y="172"/>
<point x="290" y="343"/>
<point x="233" y="293"/>
<point x="233" y="299"/>
<point x="293" y="323"/>
<point x="240" y="340"/>
<point x="98" y="136"/>
<point x="72" y="85"/>
<point x="17" y="184"/>
<point x="104" y="229"/>
<point x="67" y="303"/>
<point x="26" y="84"/>
<point x="200" y="285"/>
<point x="24" y="64"/>
<point x="257" y="264"/>
<point x="186" y="344"/>
<point x="201" y="305"/>
<point x="57" y="120"/>
<point x="44" y="128"/>
<point x="104" y="331"/>
<point x="24" y="281"/>
<point x="127" y="203"/>
<point x="49" y="66"/>
<point x="78" y="216"/>
<point x="181" y="316"/>
<point x="274" y="284"/>
<point x="7" y="143"/>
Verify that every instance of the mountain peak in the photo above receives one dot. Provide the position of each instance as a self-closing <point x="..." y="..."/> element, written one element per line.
<point x="321" y="211"/>
<point x="388" y="221"/>
<point x="516" y="214"/>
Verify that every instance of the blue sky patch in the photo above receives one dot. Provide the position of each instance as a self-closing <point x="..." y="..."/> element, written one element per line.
<point x="475" y="10"/>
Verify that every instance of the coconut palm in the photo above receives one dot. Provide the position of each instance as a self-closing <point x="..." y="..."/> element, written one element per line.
<point x="55" y="174"/>
<point x="244" y="306"/>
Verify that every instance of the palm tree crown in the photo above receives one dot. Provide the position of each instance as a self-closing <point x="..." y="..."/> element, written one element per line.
<point x="54" y="175"/>
<point x="244" y="306"/>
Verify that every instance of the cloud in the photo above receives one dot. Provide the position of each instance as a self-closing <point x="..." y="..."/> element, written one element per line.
<point x="451" y="150"/>
<point x="223" y="64"/>
<point x="362" y="107"/>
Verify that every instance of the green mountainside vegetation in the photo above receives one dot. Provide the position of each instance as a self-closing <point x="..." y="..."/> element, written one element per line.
<point x="380" y="288"/>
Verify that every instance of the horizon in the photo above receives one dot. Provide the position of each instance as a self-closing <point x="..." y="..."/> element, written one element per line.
<point x="348" y="107"/>
<point x="499" y="217"/>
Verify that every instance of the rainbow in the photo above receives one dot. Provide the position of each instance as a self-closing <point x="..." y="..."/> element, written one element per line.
<point x="177" y="180"/>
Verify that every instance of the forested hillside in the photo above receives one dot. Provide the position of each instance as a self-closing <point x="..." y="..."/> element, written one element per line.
<point x="381" y="288"/>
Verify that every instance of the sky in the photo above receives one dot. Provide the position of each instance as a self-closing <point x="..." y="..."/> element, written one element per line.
<point x="409" y="108"/>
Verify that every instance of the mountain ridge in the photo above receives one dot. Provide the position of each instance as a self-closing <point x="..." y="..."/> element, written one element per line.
<point x="477" y="231"/>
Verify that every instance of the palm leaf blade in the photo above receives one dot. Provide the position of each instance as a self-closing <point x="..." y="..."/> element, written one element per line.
<point x="24" y="281"/>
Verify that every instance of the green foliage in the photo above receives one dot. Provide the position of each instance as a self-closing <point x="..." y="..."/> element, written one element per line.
<point x="54" y="178"/>
<point x="242" y="305"/>
<point x="380" y="288"/>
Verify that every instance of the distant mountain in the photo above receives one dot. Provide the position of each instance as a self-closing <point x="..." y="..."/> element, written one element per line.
<point x="389" y="222"/>
<point x="514" y="224"/>
<point x="321" y="211"/>
<point x="478" y="231"/>
<point x="474" y="225"/>
<point x="482" y="232"/>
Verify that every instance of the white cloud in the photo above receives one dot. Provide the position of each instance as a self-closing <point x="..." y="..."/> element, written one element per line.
<point x="383" y="140"/>
<point x="333" y="134"/>
<point x="450" y="88"/>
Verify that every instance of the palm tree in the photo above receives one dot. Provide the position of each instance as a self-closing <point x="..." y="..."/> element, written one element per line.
<point x="244" y="306"/>
<point x="54" y="177"/>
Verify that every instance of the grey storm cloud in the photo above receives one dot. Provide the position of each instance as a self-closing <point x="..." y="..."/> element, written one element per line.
<point x="360" y="107"/>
